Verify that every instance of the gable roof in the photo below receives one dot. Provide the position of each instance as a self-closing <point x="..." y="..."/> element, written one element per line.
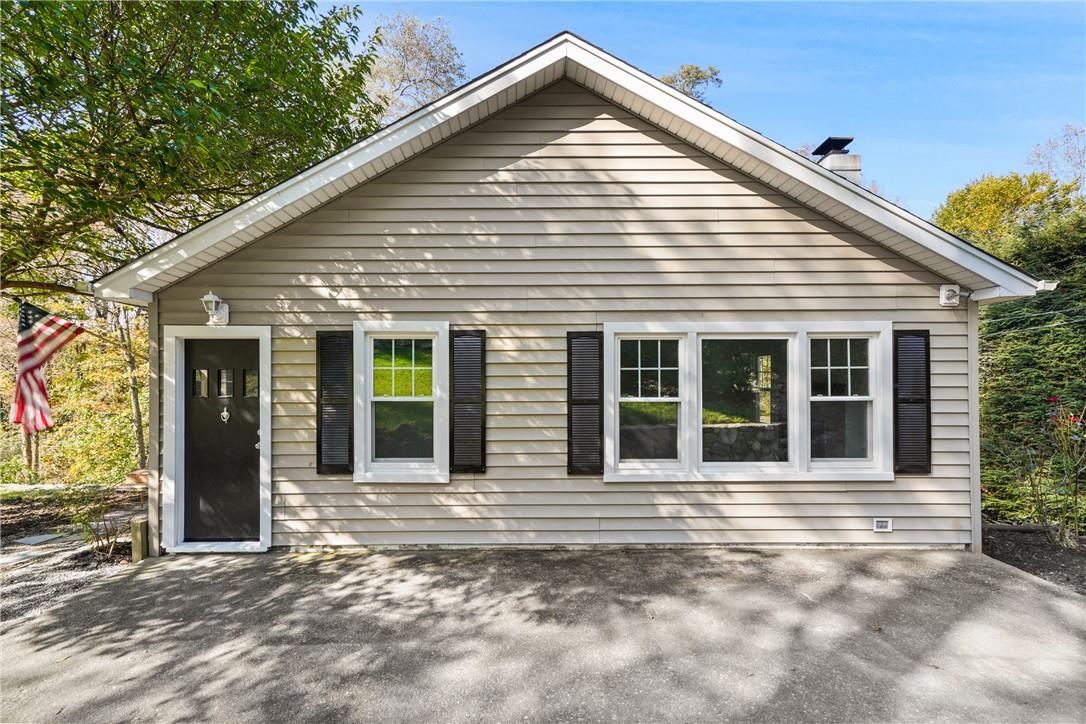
<point x="567" y="55"/>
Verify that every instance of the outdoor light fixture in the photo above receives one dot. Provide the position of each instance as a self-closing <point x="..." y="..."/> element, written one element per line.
<point x="951" y="295"/>
<point x="218" y="311"/>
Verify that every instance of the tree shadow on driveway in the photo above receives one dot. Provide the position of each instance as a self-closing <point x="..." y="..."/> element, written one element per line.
<point x="634" y="635"/>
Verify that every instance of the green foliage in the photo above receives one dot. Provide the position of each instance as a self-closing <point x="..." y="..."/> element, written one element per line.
<point x="994" y="212"/>
<point x="119" y="118"/>
<point x="1050" y="472"/>
<point x="693" y="80"/>
<point x="12" y="469"/>
<point x="1031" y="352"/>
<point x="93" y="440"/>
<point x="88" y="507"/>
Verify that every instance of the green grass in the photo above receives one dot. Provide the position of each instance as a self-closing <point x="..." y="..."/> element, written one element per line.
<point x="17" y="496"/>
<point x="720" y="415"/>
<point x="665" y="413"/>
<point x="649" y="413"/>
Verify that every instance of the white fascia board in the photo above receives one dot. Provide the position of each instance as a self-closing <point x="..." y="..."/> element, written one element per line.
<point x="826" y="182"/>
<point x="124" y="284"/>
<point x="990" y="295"/>
<point x="120" y="284"/>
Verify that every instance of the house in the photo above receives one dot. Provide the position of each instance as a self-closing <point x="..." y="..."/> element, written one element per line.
<point x="565" y="304"/>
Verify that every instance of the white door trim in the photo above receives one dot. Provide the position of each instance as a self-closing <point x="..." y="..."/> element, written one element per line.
<point x="173" y="443"/>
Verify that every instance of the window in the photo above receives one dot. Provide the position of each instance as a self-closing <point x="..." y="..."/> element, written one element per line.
<point x="401" y="419"/>
<point x="648" y="410"/>
<point x="744" y="400"/>
<point x="199" y="383"/>
<point x="403" y="399"/>
<point x="755" y="401"/>
<point x="250" y="383"/>
<point x="840" y="399"/>
<point x="226" y="383"/>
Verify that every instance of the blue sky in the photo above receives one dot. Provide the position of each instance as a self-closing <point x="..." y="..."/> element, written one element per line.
<point x="935" y="94"/>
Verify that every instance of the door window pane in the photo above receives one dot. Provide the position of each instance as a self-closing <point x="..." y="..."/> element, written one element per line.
<point x="648" y="411"/>
<point x="839" y="429"/>
<point x="744" y="389"/>
<point x="226" y="383"/>
<point x="250" y="383"/>
<point x="403" y="430"/>
<point x="199" y="383"/>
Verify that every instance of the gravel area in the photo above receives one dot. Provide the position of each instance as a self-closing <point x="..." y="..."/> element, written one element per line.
<point x="67" y="566"/>
<point x="34" y="577"/>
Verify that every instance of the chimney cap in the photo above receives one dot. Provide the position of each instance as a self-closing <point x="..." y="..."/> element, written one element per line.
<point x="832" y="145"/>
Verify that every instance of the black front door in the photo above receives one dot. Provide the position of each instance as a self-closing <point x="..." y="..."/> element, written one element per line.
<point x="222" y="439"/>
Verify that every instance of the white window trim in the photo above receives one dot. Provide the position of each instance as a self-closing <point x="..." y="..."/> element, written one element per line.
<point x="365" y="469"/>
<point x="800" y="467"/>
<point x="173" y="438"/>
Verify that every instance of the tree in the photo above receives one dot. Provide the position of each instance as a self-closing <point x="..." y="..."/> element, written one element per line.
<point x="693" y="80"/>
<point x="416" y="63"/>
<point x="1064" y="157"/>
<point x="996" y="212"/>
<point x="122" y="119"/>
<point x="1031" y="354"/>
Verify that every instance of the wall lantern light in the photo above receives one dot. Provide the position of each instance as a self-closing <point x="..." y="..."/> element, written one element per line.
<point x="218" y="311"/>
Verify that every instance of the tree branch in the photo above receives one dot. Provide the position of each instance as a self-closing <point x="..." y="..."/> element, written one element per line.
<point x="43" y="286"/>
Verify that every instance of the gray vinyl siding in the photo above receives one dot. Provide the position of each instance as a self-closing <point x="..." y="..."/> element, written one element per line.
<point x="562" y="213"/>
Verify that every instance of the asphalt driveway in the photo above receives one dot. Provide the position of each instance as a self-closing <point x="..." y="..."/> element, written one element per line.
<point x="509" y="635"/>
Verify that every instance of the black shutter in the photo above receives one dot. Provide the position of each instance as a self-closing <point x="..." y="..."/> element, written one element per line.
<point x="335" y="406"/>
<point x="584" y="397"/>
<point x="912" y="402"/>
<point x="467" y="430"/>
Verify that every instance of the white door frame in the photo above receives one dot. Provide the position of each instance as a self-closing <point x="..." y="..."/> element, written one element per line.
<point x="173" y="438"/>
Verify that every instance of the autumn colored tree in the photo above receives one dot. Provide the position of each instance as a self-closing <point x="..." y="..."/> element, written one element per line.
<point x="693" y="80"/>
<point x="994" y="212"/>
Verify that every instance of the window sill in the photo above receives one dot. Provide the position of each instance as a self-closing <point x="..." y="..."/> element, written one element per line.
<point x="385" y="478"/>
<point x="751" y="476"/>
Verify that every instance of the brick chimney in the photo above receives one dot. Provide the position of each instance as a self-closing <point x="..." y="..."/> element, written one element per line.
<point x="832" y="154"/>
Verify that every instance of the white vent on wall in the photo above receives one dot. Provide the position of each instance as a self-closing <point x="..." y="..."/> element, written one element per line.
<point x="882" y="525"/>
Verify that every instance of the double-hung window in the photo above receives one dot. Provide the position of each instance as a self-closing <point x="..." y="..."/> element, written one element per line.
<point x="841" y="399"/>
<point x="403" y="408"/>
<point x="756" y="401"/>
<point x="649" y="408"/>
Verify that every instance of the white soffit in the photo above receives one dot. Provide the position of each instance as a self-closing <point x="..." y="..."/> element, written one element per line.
<point x="567" y="55"/>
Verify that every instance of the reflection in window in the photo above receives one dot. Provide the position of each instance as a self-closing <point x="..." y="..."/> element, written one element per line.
<point x="648" y="409"/>
<point x="403" y="430"/>
<point x="403" y="402"/>
<point x="250" y="383"/>
<point x="839" y="429"/>
<point x="199" y="383"/>
<point x="840" y="399"/>
<point x="226" y="383"/>
<point x="744" y="392"/>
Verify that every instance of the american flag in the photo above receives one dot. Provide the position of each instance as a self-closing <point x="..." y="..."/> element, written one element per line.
<point x="41" y="335"/>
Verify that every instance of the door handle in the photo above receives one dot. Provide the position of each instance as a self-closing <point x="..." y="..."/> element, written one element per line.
<point x="224" y="415"/>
